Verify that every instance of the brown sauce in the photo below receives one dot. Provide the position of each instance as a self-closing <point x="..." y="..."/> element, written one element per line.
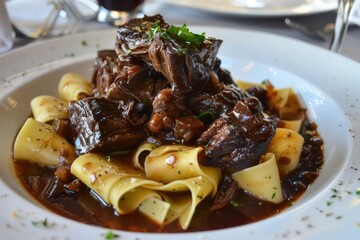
<point x="86" y="208"/>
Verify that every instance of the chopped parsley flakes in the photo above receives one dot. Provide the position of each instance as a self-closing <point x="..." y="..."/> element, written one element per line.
<point x="184" y="34"/>
<point x="111" y="236"/>
<point x="40" y="223"/>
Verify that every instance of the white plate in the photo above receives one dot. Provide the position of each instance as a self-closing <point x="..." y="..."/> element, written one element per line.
<point x="327" y="83"/>
<point x="259" y="8"/>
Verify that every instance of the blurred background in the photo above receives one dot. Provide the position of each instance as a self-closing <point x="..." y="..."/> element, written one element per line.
<point x="311" y="21"/>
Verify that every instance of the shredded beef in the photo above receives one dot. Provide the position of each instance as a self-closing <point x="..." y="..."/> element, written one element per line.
<point x="99" y="125"/>
<point x="238" y="139"/>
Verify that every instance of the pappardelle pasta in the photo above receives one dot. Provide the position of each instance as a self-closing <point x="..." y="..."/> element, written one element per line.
<point x="142" y="149"/>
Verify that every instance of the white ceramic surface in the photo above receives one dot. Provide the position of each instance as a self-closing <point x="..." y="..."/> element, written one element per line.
<point x="327" y="84"/>
<point x="259" y="8"/>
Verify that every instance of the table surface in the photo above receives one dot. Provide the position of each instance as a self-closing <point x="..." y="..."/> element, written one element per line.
<point x="274" y="25"/>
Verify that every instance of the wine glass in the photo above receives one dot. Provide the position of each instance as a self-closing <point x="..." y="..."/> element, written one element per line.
<point x="345" y="9"/>
<point x="118" y="12"/>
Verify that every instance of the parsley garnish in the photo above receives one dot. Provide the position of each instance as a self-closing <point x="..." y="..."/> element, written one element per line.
<point x="155" y="28"/>
<point x="182" y="33"/>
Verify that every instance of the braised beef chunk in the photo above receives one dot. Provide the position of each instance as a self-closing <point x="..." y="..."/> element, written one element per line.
<point x="165" y="59"/>
<point x="166" y="108"/>
<point x="187" y="69"/>
<point x="133" y="37"/>
<point x="223" y="75"/>
<point x="237" y="140"/>
<point x="260" y="93"/>
<point x="110" y="69"/>
<point x="217" y="104"/>
<point x="118" y="89"/>
<point x="188" y="128"/>
<point x="99" y="125"/>
<point x="228" y="188"/>
<point x="140" y="83"/>
<point x="126" y="77"/>
<point x="185" y="65"/>
<point x="107" y="67"/>
<point x="134" y="112"/>
<point x="62" y="127"/>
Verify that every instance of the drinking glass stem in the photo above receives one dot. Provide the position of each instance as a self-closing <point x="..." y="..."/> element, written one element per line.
<point x="341" y="24"/>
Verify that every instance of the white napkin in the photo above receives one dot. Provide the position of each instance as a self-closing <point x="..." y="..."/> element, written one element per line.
<point x="6" y="38"/>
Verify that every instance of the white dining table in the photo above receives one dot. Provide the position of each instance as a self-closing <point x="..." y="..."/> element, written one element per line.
<point x="176" y="14"/>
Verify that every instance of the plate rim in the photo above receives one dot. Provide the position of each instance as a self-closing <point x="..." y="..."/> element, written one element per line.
<point x="250" y="12"/>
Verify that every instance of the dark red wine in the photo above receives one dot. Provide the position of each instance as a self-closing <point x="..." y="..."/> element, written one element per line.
<point x="120" y="5"/>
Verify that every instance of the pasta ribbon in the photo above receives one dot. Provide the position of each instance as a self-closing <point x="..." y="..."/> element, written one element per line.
<point x="71" y="85"/>
<point x="279" y="97"/>
<point x="137" y="158"/>
<point x="294" y="125"/>
<point x="245" y="85"/>
<point x="285" y="101"/>
<point x="39" y="143"/>
<point x="176" y="162"/>
<point x="200" y="187"/>
<point x="47" y="108"/>
<point x="101" y="175"/>
<point x="262" y="180"/>
<point x="179" y="204"/>
<point x="130" y="189"/>
<point x="155" y="209"/>
<point x="287" y="146"/>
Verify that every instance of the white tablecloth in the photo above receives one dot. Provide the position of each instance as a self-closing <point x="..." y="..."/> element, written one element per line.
<point x="180" y="15"/>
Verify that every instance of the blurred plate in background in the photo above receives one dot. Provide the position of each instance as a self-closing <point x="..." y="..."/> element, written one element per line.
<point x="259" y="8"/>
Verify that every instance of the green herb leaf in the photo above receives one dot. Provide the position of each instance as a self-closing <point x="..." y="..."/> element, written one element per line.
<point x="273" y="195"/>
<point x="206" y="114"/>
<point x="41" y="223"/>
<point x="234" y="203"/>
<point x="111" y="236"/>
<point x="207" y="117"/>
<point x="155" y="28"/>
<point x="84" y="43"/>
<point x="184" y="34"/>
